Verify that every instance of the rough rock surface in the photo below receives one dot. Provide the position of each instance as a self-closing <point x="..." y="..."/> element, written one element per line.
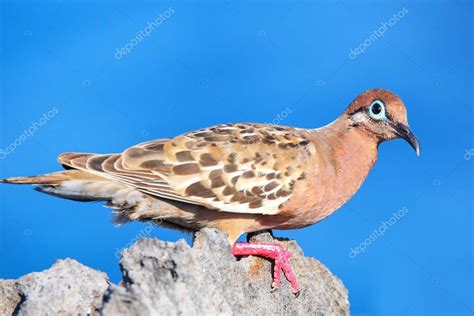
<point x="9" y="297"/>
<point x="164" y="278"/>
<point x="67" y="288"/>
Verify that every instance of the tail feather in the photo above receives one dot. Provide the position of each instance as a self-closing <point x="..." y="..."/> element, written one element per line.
<point x="82" y="186"/>
<point x="128" y="203"/>
<point x="52" y="179"/>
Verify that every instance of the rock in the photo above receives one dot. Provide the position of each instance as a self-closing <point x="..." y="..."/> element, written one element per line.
<point x="9" y="297"/>
<point x="67" y="288"/>
<point x="176" y="279"/>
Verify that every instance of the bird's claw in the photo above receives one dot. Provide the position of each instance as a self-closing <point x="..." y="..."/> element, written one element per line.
<point x="280" y="256"/>
<point x="282" y="263"/>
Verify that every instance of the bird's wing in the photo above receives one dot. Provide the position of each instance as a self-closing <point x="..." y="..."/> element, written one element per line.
<point x="240" y="168"/>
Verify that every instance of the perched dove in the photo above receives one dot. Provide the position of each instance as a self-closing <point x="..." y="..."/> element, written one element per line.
<point x="238" y="178"/>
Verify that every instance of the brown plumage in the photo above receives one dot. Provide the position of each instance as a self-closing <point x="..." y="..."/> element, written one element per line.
<point x="241" y="177"/>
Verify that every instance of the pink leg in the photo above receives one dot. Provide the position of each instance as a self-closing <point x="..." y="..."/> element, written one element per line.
<point x="272" y="251"/>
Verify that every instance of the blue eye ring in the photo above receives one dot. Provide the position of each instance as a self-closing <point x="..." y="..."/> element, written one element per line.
<point x="377" y="110"/>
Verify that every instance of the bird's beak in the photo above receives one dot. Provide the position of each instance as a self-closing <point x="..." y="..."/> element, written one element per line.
<point x="403" y="131"/>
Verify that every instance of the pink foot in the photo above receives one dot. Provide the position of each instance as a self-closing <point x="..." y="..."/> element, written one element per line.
<point x="272" y="251"/>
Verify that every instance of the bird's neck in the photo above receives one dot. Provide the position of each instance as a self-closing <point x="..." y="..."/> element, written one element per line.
<point x="347" y="154"/>
<point x="350" y="146"/>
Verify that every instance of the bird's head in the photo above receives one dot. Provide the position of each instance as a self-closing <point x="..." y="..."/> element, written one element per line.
<point x="383" y="115"/>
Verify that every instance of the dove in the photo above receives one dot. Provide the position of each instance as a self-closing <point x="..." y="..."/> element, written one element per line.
<point x="238" y="178"/>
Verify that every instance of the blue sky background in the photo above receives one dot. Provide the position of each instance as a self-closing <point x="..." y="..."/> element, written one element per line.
<point x="228" y="61"/>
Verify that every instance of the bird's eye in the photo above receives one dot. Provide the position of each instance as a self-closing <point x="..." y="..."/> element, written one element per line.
<point x="377" y="110"/>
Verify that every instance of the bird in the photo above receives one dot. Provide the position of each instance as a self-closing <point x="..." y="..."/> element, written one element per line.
<point x="238" y="178"/>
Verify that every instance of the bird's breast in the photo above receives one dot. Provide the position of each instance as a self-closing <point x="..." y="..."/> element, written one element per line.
<point x="334" y="175"/>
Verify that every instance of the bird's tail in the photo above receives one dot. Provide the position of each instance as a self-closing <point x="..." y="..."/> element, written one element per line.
<point x="55" y="178"/>
<point x="71" y="184"/>
<point x="128" y="203"/>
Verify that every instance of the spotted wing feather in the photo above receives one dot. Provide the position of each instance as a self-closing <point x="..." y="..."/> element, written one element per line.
<point x="242" y="168"/>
